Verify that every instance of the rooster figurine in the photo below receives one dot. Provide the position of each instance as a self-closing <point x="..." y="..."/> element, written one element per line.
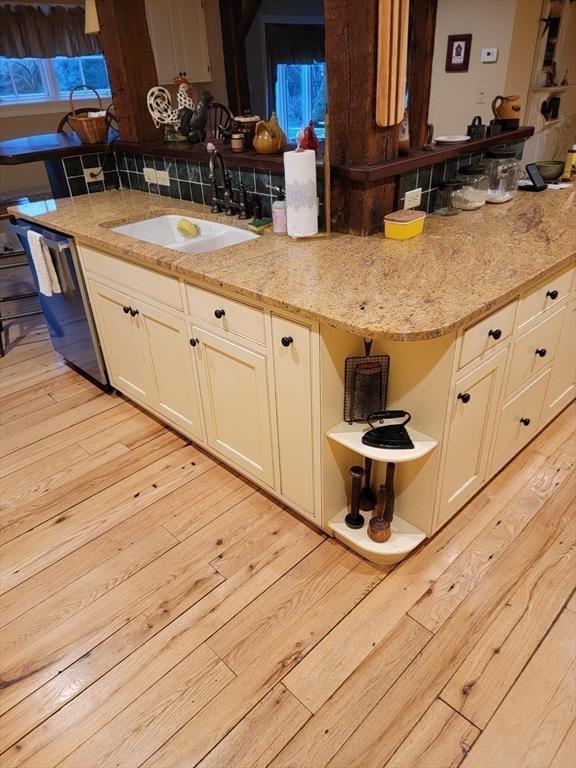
<point x="193" y="121"/>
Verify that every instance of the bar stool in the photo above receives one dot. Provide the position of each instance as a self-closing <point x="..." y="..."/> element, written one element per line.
<point x="13" y="265"/>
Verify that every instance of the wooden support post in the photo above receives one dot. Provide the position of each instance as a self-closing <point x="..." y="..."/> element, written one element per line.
<point x="355" y="138"/>
<point x="421" y="51"/>
<point x="131" y="67"/>
<point x="236" y="18"/>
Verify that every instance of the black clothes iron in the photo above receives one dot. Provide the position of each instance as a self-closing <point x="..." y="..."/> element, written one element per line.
<point x="392" y="436"/>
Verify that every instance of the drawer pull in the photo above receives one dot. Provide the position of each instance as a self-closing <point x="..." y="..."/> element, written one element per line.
<point x="125" y="310"/>
<point x="465" y="397"/>
<point x="496" y="333"/>
<point x="134" y="312"/>
<point x="219" y="313"/>
<point x="194" y="342"/>
<point x="525" y="421"/>
<point x="540" y="352"/>
<point x="286" y="341"/>
<point x="552" y="294"/>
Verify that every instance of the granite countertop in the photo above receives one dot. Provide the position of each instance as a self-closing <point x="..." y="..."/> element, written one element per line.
<point x="456" y="271"/>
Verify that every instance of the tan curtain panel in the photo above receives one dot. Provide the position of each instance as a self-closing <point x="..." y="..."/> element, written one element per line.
<point x="42" y="32"/>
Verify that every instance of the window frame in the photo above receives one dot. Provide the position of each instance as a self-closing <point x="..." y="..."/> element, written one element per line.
<point x="53" y="100"/>
<point x="307" y="99"/>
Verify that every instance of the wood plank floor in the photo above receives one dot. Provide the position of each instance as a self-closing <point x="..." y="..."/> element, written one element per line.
<point x="158" y="610"/>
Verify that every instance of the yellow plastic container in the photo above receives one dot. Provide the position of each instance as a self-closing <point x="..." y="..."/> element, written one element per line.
<point x="402" y="225"/>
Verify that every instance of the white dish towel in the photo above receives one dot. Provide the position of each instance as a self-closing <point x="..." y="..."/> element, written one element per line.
<point x="47" y="278"/>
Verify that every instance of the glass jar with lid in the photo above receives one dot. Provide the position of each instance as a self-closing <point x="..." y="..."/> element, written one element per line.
<point x="474" y="190"/>
<point x="443" y="201"/>
<point x="504" y="173"/>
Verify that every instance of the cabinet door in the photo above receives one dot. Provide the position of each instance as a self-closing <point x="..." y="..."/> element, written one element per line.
<point x="562" y="384"/>
<point x="473" y="408"/>
<point x="179" y="40"/>
<point x="173" y="370"/>
<point x="160" y="29"/>
<point x="122" y="341"/>
<point x="190" y="39"/>
<point x="234" y="389"/>
<point x="294" y="393"/>
<point x="519" y="421"/>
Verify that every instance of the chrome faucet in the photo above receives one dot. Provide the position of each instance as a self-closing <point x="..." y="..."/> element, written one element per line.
<point x="226" y="202"/>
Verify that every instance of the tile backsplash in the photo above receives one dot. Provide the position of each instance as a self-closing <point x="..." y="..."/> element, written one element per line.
<point x="428" y="177"/>
<point x="188" y="178"/>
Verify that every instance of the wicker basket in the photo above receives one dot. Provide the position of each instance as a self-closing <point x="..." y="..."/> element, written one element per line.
<point x="90" y="130"/>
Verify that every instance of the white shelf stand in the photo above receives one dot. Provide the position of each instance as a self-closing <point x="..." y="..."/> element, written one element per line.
<point x="405" y="536"/>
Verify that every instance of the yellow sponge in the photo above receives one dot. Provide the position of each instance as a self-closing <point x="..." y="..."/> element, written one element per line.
<point x="187" y="228"/>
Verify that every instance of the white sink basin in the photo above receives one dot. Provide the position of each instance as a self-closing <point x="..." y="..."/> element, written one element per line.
<point x="163" y="230"/>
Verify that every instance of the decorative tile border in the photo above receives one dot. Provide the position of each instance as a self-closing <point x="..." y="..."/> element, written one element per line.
<point x="188" y="178"/>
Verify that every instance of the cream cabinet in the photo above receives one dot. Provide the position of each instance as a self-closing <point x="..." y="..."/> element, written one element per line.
<point x="236" y="401"/>
<point x="562" y="384"/>
<point x="519" y="420"/>
<point x="474" y="401"/>
<point x="179" y="41"/>
<point x="293" y="384"/>
<point x="120" y="329"/>
<point x="148" y="355"/>
<point x="174" y="390"/>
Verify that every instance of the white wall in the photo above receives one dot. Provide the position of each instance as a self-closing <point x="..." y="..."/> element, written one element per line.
<point x="454" y="95"/>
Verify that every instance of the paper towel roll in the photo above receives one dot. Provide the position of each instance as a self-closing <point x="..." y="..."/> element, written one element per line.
<point x="301" y="193"/>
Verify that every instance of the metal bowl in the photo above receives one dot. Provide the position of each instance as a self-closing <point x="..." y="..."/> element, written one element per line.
<point x="551" y="169"/>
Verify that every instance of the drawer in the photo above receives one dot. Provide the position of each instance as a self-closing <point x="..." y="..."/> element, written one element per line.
<point x="153" y="284"/>
<point x="519" y="421"/>
<point x="535" y="350"/>
<point x="546" y="294"/>
<point x="227" y="314"/>
<point x="486" y="333"/>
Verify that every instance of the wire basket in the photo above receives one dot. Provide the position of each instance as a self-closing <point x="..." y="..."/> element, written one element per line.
<point x="365" y="385"/>
<point x="90" y="130"/>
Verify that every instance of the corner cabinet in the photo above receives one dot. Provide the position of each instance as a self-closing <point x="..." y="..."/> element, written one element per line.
<point x="179" y="40"/>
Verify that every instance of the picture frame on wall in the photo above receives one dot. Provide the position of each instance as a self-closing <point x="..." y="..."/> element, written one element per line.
<point x="458" y="53"/>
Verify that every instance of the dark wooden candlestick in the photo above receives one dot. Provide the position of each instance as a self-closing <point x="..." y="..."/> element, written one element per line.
<point x="367" y="497"/>
<point x="354" y="519"/>
<point x="379" y="526"/>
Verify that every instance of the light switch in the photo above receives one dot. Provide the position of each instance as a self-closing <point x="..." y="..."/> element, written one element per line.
<point x="150" y="175"/>
<point x="412" y="198"/>
<point x="489" y="55"/>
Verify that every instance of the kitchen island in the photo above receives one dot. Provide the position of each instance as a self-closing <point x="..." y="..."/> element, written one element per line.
<point x="464" y="312"/>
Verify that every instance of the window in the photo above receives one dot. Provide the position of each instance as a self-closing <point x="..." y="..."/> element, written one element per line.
<point x="300" y="97"/>
<point x="37" y="80"/>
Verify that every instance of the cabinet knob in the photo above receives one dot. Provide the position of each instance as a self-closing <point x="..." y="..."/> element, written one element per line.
<point x="464" y="396"/>
<point x="219" y="313"/>
<point x="552" y="294"/>
<point x="134" y="312"/>
<point x="287" y="340"/>
<point x="525" y="421"/>
<point x="540" y="352"/>
<point x="125" y="310"/>
<point x="496" y="333"/>
<point x="194" y="342"/>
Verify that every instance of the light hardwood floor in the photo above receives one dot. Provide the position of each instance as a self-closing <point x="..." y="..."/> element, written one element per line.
<point x="159" y="610"/>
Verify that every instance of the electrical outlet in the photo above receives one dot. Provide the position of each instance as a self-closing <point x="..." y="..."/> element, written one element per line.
<point x="413" y="198"/>
<point x="93" y="174"/>
<point x="150" y="175"/>
<point x="481" y="98"/>
<point x="489" y="55"/>
<point x="163" y="178"/>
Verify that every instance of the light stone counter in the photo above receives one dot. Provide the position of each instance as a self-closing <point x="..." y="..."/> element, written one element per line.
<point x="457" y="271"/>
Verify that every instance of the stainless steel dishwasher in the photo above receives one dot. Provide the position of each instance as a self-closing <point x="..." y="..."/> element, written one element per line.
<point x="68" y="314"/>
